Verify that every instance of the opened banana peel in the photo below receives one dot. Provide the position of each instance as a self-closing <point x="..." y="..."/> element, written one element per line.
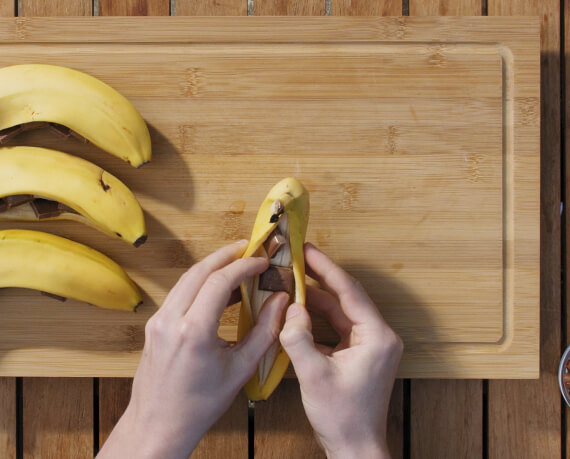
<point x="278" y="234"/>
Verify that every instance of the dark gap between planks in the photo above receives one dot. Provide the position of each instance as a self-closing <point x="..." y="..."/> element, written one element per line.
<point x="19" y="419"/>
<point x="485" y="419"/>
<point x="407" y="402"/>
<point x="563" y="226"/>
<point x="95" y="416"/>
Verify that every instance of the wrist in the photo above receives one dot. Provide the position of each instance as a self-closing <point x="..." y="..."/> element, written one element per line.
<point x="135" y="437"/>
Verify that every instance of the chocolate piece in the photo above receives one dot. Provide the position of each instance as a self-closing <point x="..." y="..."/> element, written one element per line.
<point x="3" y="205"/>
<point x="277" y="279"/>
<point x="78" y="136"/>
<point x="8" y="133"/>
<point x="63" y="208"/>
<point x="274" y="242"/>
<point x="60" y="129"/>
<point x="51" y="295"/>
<point x="17" y="199"/>
<point x="45" y="208"/>
<point x="34" y="125"/>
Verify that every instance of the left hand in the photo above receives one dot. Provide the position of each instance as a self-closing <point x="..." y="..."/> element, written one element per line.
<point x="188" y="376"/>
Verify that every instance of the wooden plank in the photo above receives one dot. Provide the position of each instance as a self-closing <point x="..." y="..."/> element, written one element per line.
<point x="290" y="431"/>
<point x="56" y="8"/>
<point x="281" y="425"/>
<point x="211" y="8"/>
<point x="228" y="437"/>
<point x="7" y="8"/>
<point x="566" y="178"/>
<point x="445" y="7"/>
<point x="524" y="416"/>
<point x="438" y="406"/>
<point x="446" y="418"/>
<point x="58" y="417"/>
<point x="8" y="418"/>
<point x="58" y="412"/>
<point x="289" y="7"/>
<point x="115" y="393"/>
<point x="114" y="396"/>
<point x="366" y="7"/>
<point x="134" y="8"/>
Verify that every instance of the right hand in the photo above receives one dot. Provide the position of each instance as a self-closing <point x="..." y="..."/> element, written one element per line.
<point x="346" y="390"/>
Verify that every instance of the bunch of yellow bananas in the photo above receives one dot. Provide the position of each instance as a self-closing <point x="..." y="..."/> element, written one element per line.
<point x="41" y="184"/>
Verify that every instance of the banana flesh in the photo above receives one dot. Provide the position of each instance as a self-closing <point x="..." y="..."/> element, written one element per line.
<point x="285" y="208"/>
<point x="39" y="92"/>
<point x="61" y="267"/>
<point x="90" y="194"/>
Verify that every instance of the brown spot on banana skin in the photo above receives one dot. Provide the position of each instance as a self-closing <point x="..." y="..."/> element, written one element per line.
<point x="103" y="184"/>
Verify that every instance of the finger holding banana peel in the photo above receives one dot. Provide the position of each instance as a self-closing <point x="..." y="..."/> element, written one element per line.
<point x="67" y="99"/>
<point x="278" y="235"/>
<point x="43" y="184"/>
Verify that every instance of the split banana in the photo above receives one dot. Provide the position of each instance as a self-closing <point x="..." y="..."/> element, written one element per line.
<point x="64" y="268"/>
<point x="37" y="92"/>
<point x="278" y="234"/>
<point x="42" y="184"/>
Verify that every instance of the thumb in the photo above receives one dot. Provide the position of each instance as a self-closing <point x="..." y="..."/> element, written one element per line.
<point x="297" y="340"/>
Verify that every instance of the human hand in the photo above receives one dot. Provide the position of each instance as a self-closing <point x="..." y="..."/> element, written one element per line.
<point x="188" y="376"/>
<point x="346" y="390"/>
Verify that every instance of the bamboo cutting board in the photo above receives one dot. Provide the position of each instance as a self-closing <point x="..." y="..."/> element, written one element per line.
<point x="418" y="139"/>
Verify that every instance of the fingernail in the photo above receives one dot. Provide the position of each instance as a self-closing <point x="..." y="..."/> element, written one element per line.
<point x="293" y="311"/>
<point x="242" y="242"/>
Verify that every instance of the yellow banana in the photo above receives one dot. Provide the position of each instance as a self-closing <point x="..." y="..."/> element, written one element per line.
<point x="61" y="267"/>
<point x="278" y="233"/>
<point x="91" y="108"/>
<point x="88" y="193"/>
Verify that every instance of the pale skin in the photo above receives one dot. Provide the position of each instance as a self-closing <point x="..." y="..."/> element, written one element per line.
<point x="188" y="377"/>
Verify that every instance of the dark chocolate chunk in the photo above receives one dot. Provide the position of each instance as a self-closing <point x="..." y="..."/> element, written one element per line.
<point x="18" y="200"/>
<point x="274" y="242"/>
<point x="277" y="279"/>
<point x="8" y="133"/>
<point x="3" y="205"/>
<point x="51" y="295"/>
<point x="34" y="125"/>
<point x="59" y="129"/>
<point x="44" y="208"/>
<point x="78" y="136"/>
<point x="63" y="208"/>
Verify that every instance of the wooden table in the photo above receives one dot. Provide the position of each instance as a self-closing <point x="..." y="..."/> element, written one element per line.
<point x="72" y="417"/>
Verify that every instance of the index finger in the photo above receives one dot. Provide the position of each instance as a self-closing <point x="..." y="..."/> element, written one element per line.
<point x="353" y="299"/>
<point x="184" y="292"/>
<point x="214" y="295"/>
